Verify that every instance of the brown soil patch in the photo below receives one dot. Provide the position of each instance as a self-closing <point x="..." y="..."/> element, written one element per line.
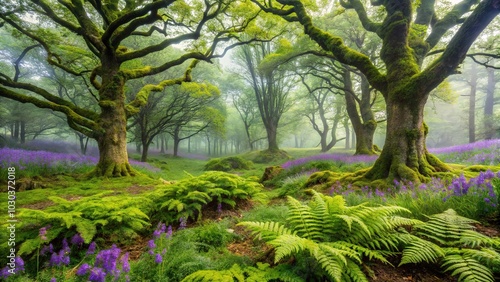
<point x="38" y="205"/>
<point x="136" y="249"/>
<point x="410" y="272"/>
<point x="138" y="189"/>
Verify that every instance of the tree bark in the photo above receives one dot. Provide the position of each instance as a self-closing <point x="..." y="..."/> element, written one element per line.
<point x="405" y="155"/>
<point x="112" y="142"/>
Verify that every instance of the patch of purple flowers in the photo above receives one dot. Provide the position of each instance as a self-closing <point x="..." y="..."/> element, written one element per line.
<point x="343" y="158"/>
<point x="7" y="271"/>
<point x="107" y="263"/>
<point x="51" y="160"/>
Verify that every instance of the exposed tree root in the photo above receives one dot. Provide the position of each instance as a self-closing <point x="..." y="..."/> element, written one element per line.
<point x="113" y="170"/>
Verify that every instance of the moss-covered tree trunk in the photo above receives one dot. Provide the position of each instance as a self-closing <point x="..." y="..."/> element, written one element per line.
<point x="405" y="155"/>
<point x="112" y="141"/>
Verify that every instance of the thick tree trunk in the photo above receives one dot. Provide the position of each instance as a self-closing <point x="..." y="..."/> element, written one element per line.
<point x="272" y="138"/>
<point x="405" y="155"/>
<point x="112" y="142"/>
<point x="113" y="156"/>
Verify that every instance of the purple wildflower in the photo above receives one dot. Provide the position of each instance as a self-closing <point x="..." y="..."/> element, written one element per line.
<point x="219" y="208"/>
<point x="183" y="223"/>
<point x="77" y="240"/>
<point x="169" y="232"/>
<point x="83" y="269"/>
<point x="125" y="264"/>
<point x="45" y="249"/>
<point x="4" y="272"/>
<point x="42" y="233"/>
<point x="55" y="260"/>
<point x="158" y="258"/>
<point x="97" y="274"/>
<point x="53" y="279"/>
<point x="107" y="259"/>
<point x="19" y="264"/>
<point x="65" y="246"/>
<point x="151" y="244"/>
<point x="91" y="249"/>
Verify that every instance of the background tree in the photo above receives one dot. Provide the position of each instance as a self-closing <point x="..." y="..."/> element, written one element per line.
<point x="408" y="33"/>
<point x="164" y="112"/>
<point x="324" y="109"/>
<point x="270" y="85"/>
<point x="91" y="41"/>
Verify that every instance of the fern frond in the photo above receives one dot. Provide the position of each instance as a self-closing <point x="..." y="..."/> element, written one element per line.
<point x="302" y="219"/>
<point x="369" y="253"/>
<point x="475" y="239"/>
<point x="267" y="230"/>
<point x="467" y="268"/>
<point x="354" y="272"/>
<point x="420" y="250"/>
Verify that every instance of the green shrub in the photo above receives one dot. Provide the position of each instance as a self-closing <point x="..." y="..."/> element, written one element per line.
<point x="212" y="235"/>
<point x="228" y="164"/>
<point x="118" y="218"/>
<point x="187" y="198"/>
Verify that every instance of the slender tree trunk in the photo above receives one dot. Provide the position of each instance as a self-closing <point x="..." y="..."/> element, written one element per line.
<point x="22" y="132"/>
<point x="347" y="135"/>
<point x="177" y="140"/>
<point x="363" y="122"/>
<point x="472" y="103"/>
<point x="145" y="149"/>
<point x="16" y="131"/>
<point x="162" y="146"/>
<point x="489" y="130"/>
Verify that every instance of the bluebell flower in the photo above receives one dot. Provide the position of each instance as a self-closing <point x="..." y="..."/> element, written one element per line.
<point x="97" y="274"/>
<point x="151" y="244"/>
<point x="158" y="258"/>
<point x="77" y="240"/>
<point x="83" y="269"/>
<point x="125" y="263"/>
<point x="91" y="249"/>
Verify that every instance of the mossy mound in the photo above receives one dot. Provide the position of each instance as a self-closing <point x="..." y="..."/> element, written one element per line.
<point x="270" y="173"/>
<point x="228" y="164"/>
<point x="268" y="156"/>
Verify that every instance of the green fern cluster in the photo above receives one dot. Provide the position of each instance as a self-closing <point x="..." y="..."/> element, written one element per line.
<point x="449" y="239"/>
<point x="336" y="236"/>
<point x="119" y="215"/>
<point x="261" y="273"/>
<point x="188" y="197"/>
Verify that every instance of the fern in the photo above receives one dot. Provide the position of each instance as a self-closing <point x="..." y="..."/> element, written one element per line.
<point x="121" y="215"/>
<point x="466" y="268"/>
<point x="187" y="198"/>
<point x="260" y="273"/>
<point x="449" y="239"/>
<point x="336" y="236"/>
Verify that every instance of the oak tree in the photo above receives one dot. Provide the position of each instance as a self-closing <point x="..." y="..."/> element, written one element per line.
<point x="409" y="30"/>
<point x="92" y="40"/>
